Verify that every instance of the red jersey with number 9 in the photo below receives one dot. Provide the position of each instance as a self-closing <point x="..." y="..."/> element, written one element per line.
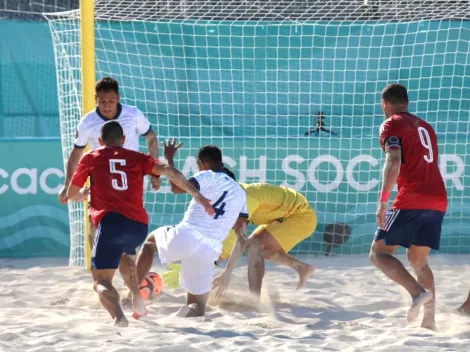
<point x="117" y="182"/>
<point x="420" y="184"/>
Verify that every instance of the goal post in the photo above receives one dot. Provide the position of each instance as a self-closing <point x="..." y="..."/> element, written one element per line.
<point x="252" y="77"/>
<point x="74" y="52"/>
<point x="87" y="53"/>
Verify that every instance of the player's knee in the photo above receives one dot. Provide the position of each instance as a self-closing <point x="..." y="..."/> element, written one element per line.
<point x="150" y="243"/>
<point x="416" y="263"/>
<point x="254" y="247"/>
<point x="101" y="286"/>
<point x="254" y="250"/>
<point x="373" y="258"/>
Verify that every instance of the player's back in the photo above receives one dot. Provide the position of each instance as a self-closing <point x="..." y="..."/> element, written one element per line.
<point x="420" y="184"/>
<point x="228" y="200"/>
<point x="117" y="181"/>
<point x="267" y="203"/>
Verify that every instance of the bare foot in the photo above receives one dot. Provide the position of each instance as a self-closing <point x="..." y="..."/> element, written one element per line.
<point x="304" y="274"/>
<point x="463" y="310"/>
<point x="121" y="322"/>
<point x="429" y="324"/>
<point x="138" y="307"/>
<point x="416" y="305"/>
<point x="189" y="311"/>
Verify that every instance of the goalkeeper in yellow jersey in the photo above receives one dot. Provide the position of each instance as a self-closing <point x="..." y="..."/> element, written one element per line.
<point x="284" y="218"/>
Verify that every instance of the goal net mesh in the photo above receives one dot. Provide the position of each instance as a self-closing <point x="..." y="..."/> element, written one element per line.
<point x="253" y="76"/>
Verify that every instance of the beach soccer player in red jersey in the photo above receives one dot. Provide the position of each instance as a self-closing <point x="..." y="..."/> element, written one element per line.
<point x="415" y="218"/>
<point x="117" y="211"/>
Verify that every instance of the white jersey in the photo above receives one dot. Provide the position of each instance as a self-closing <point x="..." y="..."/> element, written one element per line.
<point x="229" y="202"/>
<point x="131" y="119"/>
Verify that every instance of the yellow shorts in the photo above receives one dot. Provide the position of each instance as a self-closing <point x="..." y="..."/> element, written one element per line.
<point x="288" y="233"/>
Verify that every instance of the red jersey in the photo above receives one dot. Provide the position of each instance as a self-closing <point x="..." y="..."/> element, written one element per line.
<point x="117" y="182"/>
<point x="420" y="184"/>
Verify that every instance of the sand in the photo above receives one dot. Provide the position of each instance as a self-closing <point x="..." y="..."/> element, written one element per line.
<point x="347" y="306"/>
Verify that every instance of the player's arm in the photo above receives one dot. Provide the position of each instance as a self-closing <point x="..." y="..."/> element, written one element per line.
<point x="75" y="190"/>
<point x="145" y="129"/>
<point x="169" y="151"/>
<point x="181" y="182"/>
<point x="391" y="145"/>
<point x="391" y="169"/>
<point x="81" y="140"/>
<point x="240" y="245"/>
<point x="221" y="282"/>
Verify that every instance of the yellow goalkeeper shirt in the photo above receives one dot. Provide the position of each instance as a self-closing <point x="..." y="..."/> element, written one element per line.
<point x="267" y="203"/>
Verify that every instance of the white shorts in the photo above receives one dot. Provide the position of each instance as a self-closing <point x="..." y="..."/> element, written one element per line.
<point x="197" y="260"/>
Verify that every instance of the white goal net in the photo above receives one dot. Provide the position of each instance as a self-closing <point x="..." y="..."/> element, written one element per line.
<point x="252" y="76"/>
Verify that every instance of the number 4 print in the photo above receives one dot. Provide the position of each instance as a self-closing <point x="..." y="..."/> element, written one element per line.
<point x="219" y="206"/>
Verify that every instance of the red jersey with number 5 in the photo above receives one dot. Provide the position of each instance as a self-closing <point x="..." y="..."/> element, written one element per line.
<point x="117" y="181"/>
<point x="420" y="184"/>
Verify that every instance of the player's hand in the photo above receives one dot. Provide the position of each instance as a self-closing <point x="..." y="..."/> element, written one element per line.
<point x="220" y="284"/>
<point x="171" y="278"/>
<point x="170" y="147"/>
<point x="381" y="214"/>
<point x="206" y="203"/>
<point x="62" y="195"/>
<point x="155" y="183"/>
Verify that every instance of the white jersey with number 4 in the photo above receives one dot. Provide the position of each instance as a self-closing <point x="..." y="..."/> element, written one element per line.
<point x="229" y="202"/>
<point x="131" y="119"/>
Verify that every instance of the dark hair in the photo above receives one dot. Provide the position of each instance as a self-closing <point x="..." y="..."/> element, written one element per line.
<point x="395" y="94"/>
<point x="111" y="133"/>
<point x="210" y="153"/>
<point x="229" y="173"/>
<point x="107" y="84"/>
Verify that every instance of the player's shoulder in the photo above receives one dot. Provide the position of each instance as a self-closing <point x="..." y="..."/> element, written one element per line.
<point x="129" y="110"/>
<point x="394" y="122"/>
<point x="204" y="174"/>
<point x="91" y="115"/>
<point x="90" y="121"/>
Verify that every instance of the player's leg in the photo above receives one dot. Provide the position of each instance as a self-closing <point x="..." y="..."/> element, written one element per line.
<point x="136" y="234"/>
<point x="400" y="231"/>
<point x="256" y="266"/>
<point x="108" y="295"/>
<point x="195" y="306"/>
<point x="427" y="238"/>
<point x="381" y="256"/>
<point x="464" y="309"/>
<point x="197" y="272"/>
<point x="417" y="257"/>
<point x="273" y="241"/>
<point x="106" y="254"/>
<point x="145" y="256"/>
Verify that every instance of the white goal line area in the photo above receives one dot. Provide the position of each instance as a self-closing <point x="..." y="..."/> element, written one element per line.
<point x="251" y="77"/>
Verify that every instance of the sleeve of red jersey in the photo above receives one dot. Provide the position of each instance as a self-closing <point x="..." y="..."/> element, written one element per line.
<point x="81" y="172"/>
<point x="390" y="136"/>
<point x="149" y="163"/>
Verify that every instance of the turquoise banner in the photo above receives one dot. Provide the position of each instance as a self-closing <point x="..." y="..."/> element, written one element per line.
<point x="32" y="222"/>
<point x="339" y="177"/>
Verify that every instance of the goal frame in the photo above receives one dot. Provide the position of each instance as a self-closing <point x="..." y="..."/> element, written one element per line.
<point x="87" y="55"/>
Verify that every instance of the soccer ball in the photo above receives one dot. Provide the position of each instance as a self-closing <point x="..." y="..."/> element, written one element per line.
<point x="151" y="286"/>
